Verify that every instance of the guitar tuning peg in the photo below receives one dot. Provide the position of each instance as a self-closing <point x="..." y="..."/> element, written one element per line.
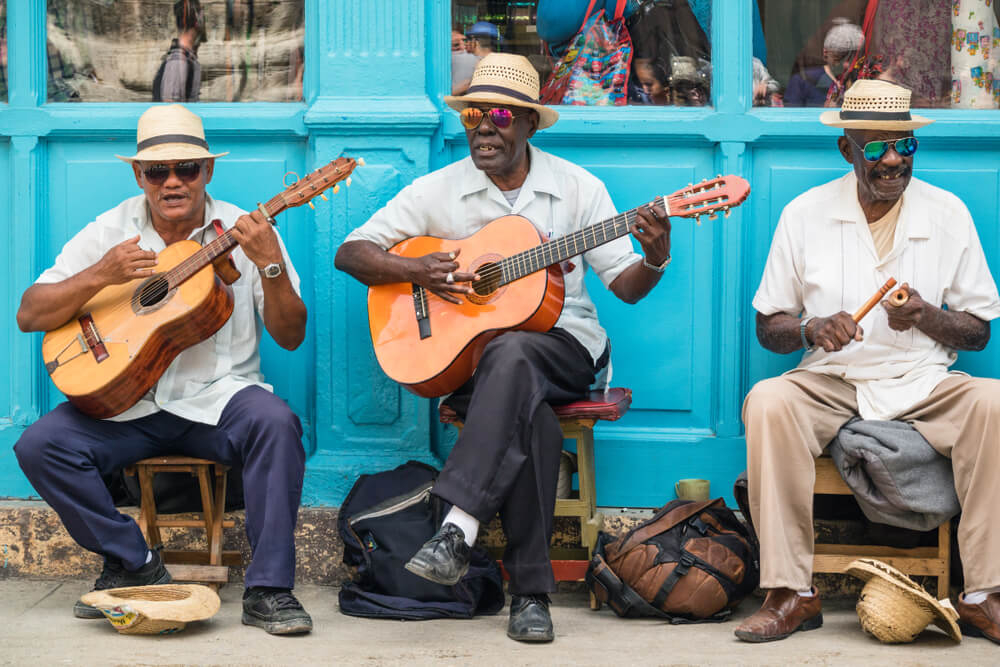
<point x="323" y="195"/>
<point x="718" y="175"/>
<point x="698" y="220"/>
<point x="311" y="205"/>
<point x="336" y="188"/>
<point x="348" y="181"/>
<point x="713" y="216"/>
<point x="361" y="162"/>
<point x="727" y="212"/>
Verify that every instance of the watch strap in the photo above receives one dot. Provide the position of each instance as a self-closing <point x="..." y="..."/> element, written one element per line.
<point x="653" y="267"/>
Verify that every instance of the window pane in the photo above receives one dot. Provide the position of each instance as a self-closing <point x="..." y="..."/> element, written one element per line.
<point x="175" y="50"/>
<point x="658" y="53"/>
<point x="946" y="53"/>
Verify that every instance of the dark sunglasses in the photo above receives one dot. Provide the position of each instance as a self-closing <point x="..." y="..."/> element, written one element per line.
<point x="158" y="174"/>
<point x="874" y="150"/>
<point x="501" y="117"/>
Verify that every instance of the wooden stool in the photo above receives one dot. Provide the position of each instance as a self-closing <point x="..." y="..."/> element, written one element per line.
<point x="577" y="420"/>
<point x="834" y="558"/>
<point x="209" y="566"/>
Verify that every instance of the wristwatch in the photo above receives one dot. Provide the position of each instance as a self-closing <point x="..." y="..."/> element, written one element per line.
<point x="802" y="333"/>
<point x="654" y="267"/>
<point x="272" y="270"/>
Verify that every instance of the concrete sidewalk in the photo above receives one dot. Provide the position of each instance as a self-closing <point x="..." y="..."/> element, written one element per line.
<point x="37" y="628"/>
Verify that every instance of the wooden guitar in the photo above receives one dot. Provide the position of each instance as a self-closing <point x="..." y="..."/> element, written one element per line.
<point x="120" y="343"/>
<point x="431" y="346"/>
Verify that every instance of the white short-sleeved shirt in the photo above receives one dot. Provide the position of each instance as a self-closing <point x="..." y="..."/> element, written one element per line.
<point x="823" y="261"/>
<point x="202" y="379"/>
<point x="558" y="197"/>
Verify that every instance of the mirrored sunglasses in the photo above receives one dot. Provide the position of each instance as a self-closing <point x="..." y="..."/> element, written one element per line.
<point x="874" y="150"/>
<point x="158" y="174"/>
<point x="501" y="117"/>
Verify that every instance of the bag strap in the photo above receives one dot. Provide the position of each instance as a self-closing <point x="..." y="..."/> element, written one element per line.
<point x="621" y="597"/>
<point x="620" y="9"/>
<point x="662" y="524"/>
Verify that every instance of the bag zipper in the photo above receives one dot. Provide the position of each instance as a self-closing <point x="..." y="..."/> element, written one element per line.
<point x="394" y="504"/>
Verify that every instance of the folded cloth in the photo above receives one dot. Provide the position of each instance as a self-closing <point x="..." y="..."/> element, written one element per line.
<point x="894" y="473"/>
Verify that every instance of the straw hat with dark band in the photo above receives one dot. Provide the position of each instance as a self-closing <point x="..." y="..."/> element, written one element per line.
<point x="170" y="132"/>
<point x="505" y="78"/>
<point x="871" y="104"/>
<point x="154" y="610"/>
<point x="893" y="608"/>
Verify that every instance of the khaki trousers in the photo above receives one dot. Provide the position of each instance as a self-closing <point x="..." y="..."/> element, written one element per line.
<point x="789" y="421"/>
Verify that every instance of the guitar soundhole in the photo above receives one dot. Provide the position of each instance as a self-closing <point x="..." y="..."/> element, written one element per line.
<point x="151" y="293"/>
<point x="489" y="279"/>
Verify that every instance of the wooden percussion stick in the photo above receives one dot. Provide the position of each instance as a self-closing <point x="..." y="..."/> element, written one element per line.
<point x="874" y="300"/>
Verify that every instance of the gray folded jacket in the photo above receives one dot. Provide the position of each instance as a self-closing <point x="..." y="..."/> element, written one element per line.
<point x="894" y="473"/>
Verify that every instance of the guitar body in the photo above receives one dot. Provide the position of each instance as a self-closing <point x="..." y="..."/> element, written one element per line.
<point x="441" y="362"/>
<point x="138" y="340"/>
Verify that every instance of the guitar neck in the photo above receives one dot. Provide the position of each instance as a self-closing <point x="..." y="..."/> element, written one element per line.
<point x="560" y="249"/>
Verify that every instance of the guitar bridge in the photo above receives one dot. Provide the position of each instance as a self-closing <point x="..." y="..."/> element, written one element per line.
<point x="89" y="340"/>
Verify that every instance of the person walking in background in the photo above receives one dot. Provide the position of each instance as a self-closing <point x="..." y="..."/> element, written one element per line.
<point x="179" y="76"/>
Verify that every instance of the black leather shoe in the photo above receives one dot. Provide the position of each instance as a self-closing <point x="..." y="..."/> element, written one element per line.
<point x="444" y="559"/>
<point x="276" y="610"/>
<point x="114" y="575"/>
<point x="530" y="620"/>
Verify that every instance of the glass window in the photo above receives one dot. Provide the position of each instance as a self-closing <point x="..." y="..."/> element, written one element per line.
<point x="945" y="51"/>
<point x="175" y="50"/>
<point x="657" y="53"/>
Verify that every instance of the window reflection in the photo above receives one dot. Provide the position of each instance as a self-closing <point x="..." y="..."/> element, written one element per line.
<point x="657" y="52"/>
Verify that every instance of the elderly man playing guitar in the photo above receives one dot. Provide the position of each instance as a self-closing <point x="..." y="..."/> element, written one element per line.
<point x="506" y="459"/>
<point x="211" y="402"/>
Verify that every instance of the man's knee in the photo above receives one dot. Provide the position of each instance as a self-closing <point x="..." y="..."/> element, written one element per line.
<point x="767" y="397"/>
<point x="30" y="449"/>
<point x="983" y="395"/>
<point x="275" y="424"/>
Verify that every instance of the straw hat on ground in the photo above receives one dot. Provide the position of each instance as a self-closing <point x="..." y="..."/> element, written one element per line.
<point x="170" y="132"/>
<point x="505" y="78"/>
<point x="893" y="608"/>
<point x="871" y="104"/>
<point x="154" y="610"/>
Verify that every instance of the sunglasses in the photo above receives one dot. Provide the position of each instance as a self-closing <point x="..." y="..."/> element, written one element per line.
<point x="501" y="117"/>
<point x="158" y="174"/>
<point x="874" y="150"/>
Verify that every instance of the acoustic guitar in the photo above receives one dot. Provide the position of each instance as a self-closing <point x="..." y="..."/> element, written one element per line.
<point x="431" y="346"/>
<point x="120" y="343"/>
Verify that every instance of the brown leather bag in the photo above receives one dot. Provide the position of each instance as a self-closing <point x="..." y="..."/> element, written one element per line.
<point x="693" y="561"/>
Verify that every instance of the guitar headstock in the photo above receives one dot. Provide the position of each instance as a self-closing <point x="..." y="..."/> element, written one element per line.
<point x="307" y="188"/>
<point x="718" y="194"/>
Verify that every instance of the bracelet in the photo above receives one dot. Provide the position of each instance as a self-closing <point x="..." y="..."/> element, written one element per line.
<point x="802" y="333"/>
<point x="654" y="267"/>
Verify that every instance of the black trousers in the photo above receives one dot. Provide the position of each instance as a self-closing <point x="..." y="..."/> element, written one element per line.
<point x="506" y="460"/>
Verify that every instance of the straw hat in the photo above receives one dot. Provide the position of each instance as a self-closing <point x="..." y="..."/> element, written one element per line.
<point x="505" y="78"/>
<point x="154" y="610"/>
<point x="871" y="104"/>
<point x="893" y="608"/>
<point x="170" y="132"/>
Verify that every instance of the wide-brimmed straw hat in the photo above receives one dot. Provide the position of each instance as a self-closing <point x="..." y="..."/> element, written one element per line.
<point x="871" y="104"/>
<point x="894" y="608"/>
<point x="505" y="78"/>
<point x="170" y="132"/>
<point x="154" y="610"/>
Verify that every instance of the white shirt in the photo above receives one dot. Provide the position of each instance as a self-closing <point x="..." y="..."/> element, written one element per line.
<point x="558" y="197"/>
<point x="823" y="261"/>
<point x="202" y="379"/>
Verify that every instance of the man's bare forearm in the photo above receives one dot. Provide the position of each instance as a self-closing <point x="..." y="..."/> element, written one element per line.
<point x="47" y="306"/>
<point x="779" y="332"/>
<point x="958" y="330"/>
<point x="372" y="265"/>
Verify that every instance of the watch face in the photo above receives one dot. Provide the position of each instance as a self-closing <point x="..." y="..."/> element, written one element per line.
<point x="272" y="270"/>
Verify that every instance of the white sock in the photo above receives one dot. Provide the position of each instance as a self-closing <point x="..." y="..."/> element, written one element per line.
<point x="978" y="597"/>
<point x="468" y="523"/>
<point x="807" y="593"/>
<point x="149" y="556"/>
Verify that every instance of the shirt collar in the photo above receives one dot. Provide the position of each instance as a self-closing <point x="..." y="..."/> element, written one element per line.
<point x="540" y="177"/>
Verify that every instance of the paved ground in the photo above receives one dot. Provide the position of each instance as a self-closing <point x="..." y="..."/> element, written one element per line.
<point x="37" y="628"/>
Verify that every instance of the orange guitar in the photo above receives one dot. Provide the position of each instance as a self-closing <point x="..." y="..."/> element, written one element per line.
<point x="431" y="346"/>
<point x="120" y="343"/>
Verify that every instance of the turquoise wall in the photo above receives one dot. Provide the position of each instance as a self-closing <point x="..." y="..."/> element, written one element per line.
<point x="375" y="76"/>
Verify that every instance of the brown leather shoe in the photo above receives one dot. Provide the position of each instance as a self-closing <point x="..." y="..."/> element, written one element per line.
<point x="784" y="611"/>
<point x="980" y="620"/>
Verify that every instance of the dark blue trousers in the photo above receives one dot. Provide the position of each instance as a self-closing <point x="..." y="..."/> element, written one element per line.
<point x="65" y="453"/>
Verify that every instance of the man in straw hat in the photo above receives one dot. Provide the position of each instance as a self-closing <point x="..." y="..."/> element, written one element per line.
<point x="211" y="402"/>
<point x="506" y="459"/>
<point x="833" y="248"/>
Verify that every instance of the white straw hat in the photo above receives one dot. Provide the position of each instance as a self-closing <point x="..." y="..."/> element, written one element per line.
<point x="871" y="104"/>
<point x="505" y="78"/>
<point x="170" y="132"/>
<point x="154" y="610"/>
<point x="893" y="608"/>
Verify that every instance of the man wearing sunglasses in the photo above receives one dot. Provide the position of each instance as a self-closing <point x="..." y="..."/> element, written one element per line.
<point x="506" y="459"/>
<point x="211" y="402"/>
<point x="834" y="247"/>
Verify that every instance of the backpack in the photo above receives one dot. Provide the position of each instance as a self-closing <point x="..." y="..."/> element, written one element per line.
<point x="691" y="562"/>
<point x="385" y="519"/>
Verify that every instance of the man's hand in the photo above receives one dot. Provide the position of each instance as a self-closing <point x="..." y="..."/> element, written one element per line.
<point x="652" y="230"/>
<point x="124" y="262"/>
<point x="910" y="314"/>
<point x="834" y="332"/>
<point x="432" y="272"/>
<point x="258" y="240"/>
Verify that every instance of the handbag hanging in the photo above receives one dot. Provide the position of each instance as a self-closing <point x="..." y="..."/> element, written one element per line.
<point x="595" y="67"/>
